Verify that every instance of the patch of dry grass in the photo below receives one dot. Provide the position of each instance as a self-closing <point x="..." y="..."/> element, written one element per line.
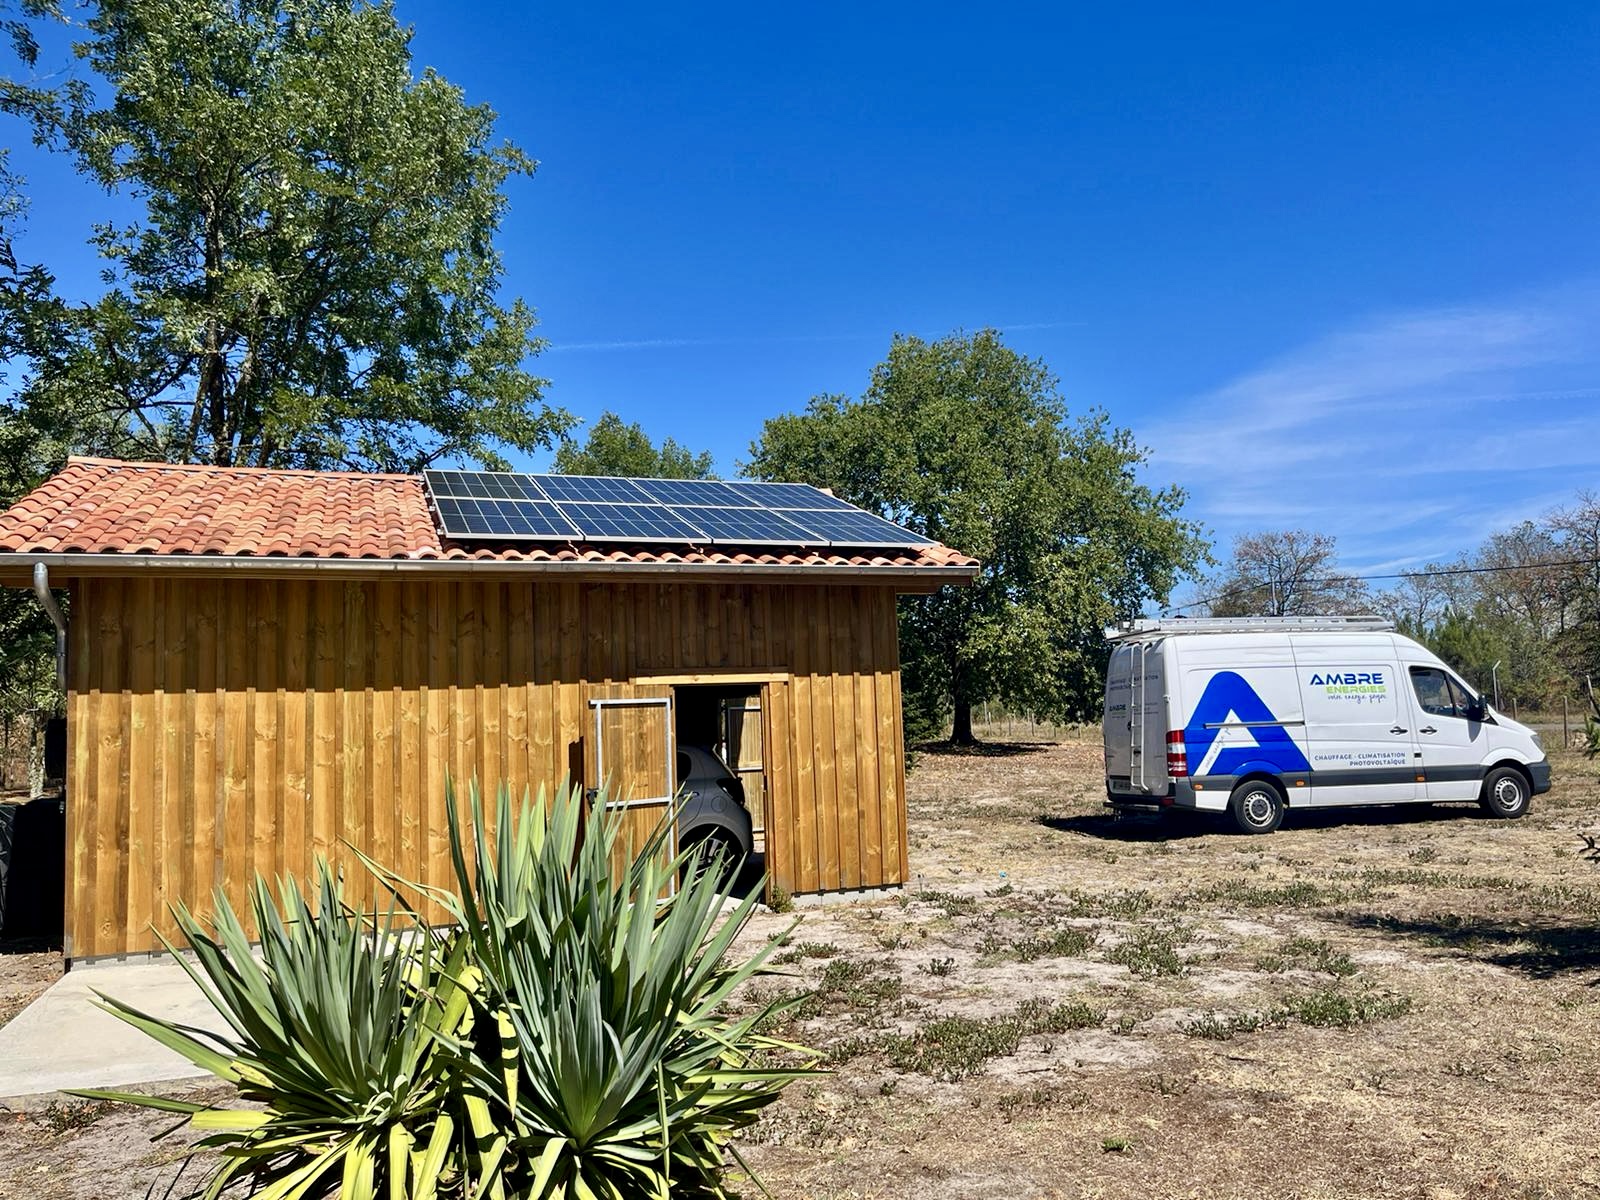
<point x="1369" y="1003"/>
<point x="1395" y="1004"/>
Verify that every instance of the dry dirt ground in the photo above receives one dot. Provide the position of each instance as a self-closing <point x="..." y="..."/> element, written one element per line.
<point x="1389" y="1003"/>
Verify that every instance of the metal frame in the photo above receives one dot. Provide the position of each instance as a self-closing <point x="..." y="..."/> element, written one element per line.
<point x="791" y="516"/>
<point x="1146" y="628"/>
<point x="664" y="702"/>
<point x="728" y="709"/>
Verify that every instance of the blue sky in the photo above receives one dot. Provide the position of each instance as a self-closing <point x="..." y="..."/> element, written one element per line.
<point x="1336" y="266"/>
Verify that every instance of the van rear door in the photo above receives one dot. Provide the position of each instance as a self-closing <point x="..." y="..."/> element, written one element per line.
<point x="1114" y="727"/>
<point x="1134" y="725"/>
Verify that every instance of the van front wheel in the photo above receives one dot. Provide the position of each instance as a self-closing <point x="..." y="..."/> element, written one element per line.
<point x="1505" y="794"/>
<point x="1256" y="807"/>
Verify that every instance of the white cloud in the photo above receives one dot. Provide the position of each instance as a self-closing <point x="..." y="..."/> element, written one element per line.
<point x="1409" y="436"/>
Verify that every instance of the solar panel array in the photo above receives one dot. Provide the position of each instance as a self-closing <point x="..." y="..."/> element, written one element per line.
<point x="505" y="506"/>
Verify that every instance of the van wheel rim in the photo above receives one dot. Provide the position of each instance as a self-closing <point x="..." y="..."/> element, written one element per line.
<point x="1507" y="795"/>
<point x="1258" y="808"/>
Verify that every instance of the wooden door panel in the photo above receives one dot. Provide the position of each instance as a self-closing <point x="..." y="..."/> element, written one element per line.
<point x="630" y="754"/>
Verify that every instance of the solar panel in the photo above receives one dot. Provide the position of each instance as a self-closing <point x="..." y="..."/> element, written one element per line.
<point x="789" y="495"/>
<point x="506" y="505"/>
<point x="696" y="492"/>
<point x="483" y="485"/>
<point x="506" y="518"/>
<point x="748" y="526"/>
<point x="853" y="527"/>
<point x="597" y="489"/>
<point x="630" y="522"/>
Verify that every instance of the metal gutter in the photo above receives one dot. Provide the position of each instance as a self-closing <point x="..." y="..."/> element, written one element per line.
<point x="81" y="563"/>
<point x="41" y="589"/>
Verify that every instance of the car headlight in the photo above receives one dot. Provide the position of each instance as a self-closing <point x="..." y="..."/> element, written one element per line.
<point x="1537" y="740"/>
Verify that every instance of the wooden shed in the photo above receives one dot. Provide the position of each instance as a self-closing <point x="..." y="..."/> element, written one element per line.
<point x="262" y="666"/>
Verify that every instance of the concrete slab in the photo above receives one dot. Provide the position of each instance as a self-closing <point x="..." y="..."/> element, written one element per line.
<point x="64" y="1040"/>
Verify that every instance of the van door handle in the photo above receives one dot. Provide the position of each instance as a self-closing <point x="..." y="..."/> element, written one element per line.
<point x="1399" y="729"/>
<point x="1427" y="729"/>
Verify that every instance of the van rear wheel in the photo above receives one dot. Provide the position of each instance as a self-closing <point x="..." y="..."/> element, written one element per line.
<point x="1505" y="794"/>
<point x="1256" y="806"/>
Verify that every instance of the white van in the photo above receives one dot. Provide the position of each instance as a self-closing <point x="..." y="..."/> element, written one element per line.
<point x="1246" y="715"/>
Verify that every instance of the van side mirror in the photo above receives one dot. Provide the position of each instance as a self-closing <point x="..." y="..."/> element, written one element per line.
<point x="1476" y="710"/>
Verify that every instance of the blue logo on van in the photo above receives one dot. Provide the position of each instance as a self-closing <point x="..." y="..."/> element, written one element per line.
<point x="1228" y="699"/>
<point x="1347" y="678"/>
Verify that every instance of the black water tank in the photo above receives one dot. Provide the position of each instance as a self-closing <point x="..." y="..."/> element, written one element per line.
<point x="33" y="842"/>
<point x="55" y="749"/>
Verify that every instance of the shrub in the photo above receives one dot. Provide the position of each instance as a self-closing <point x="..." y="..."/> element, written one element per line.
<point x="1149" y="952"/>
<point x="952" y="1048"/>
<point x="567" y="1038"/>
<point x="1332" y="1008"/>
<point x="1064" y="942"/>
<point x="340" y="1031"/>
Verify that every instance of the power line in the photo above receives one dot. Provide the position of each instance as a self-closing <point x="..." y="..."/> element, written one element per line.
<point x="1336" y="580"/>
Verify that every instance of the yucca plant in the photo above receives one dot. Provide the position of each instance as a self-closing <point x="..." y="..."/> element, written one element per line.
<point x="566" y="1038"/>
<point x="602" y="1038"/>
<point x="343" y="1031"/>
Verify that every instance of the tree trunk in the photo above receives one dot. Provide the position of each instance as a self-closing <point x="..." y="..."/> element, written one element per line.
<point x="961" y="730"/>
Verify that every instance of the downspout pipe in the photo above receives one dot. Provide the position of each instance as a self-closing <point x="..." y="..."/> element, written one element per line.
<point x="41" y="589"/>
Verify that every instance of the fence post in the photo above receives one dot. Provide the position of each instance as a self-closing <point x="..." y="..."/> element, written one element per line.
<point x="1566" y="732"/>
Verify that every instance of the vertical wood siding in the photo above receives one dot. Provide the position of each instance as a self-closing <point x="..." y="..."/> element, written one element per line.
<point x="221" y="728"/>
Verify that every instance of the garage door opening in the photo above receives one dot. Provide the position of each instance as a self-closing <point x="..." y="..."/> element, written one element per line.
<point x="722" y="773"/>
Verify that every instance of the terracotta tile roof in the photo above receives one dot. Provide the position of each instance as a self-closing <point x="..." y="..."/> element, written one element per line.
<point x="103" y="507"/>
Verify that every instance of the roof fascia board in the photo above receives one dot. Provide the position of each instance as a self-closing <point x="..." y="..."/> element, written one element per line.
<point x="16" y="568"/>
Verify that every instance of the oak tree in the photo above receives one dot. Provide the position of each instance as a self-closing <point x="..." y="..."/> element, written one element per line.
<point x="311" y="276"/>
<point x="969" y="442"/>
<point x="614" y="447"/>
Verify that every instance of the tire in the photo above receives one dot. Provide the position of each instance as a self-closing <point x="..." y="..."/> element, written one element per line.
<point x="1256" y="806"/>
<point x="721" y="853"/>
<point x="1506" y="794"/>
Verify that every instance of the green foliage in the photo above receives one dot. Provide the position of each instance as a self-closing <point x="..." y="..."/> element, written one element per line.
<point x="1314" y="954"/>
<point x="311" y="279"/>
<point x="806" y="950"/>
<point x="1330" y="1007"/>
<point x="952" y="1048"/>
<point x="1063" y="942"/>
<point x="1337" y="1009"/>
<point x="566" y="1039"/>
<point x="615" y="448"/>
<point x="1149" y="951"/>
<point x="1218" y="1027"/>
<point x="967" y="441"/>
<point x="1468" y="643"/>
<point x="345" y="1036"/>
<point x="27" y="656"/>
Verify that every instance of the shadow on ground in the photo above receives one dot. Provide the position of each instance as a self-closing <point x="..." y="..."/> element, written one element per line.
<point x="1540" y="950"/>
<point x="1177" y="824"/>
<point x="981" y="749"/>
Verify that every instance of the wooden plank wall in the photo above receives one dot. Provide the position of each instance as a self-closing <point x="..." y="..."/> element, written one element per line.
<point x="742" y="724"/>
<point x="218" y="728"/>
